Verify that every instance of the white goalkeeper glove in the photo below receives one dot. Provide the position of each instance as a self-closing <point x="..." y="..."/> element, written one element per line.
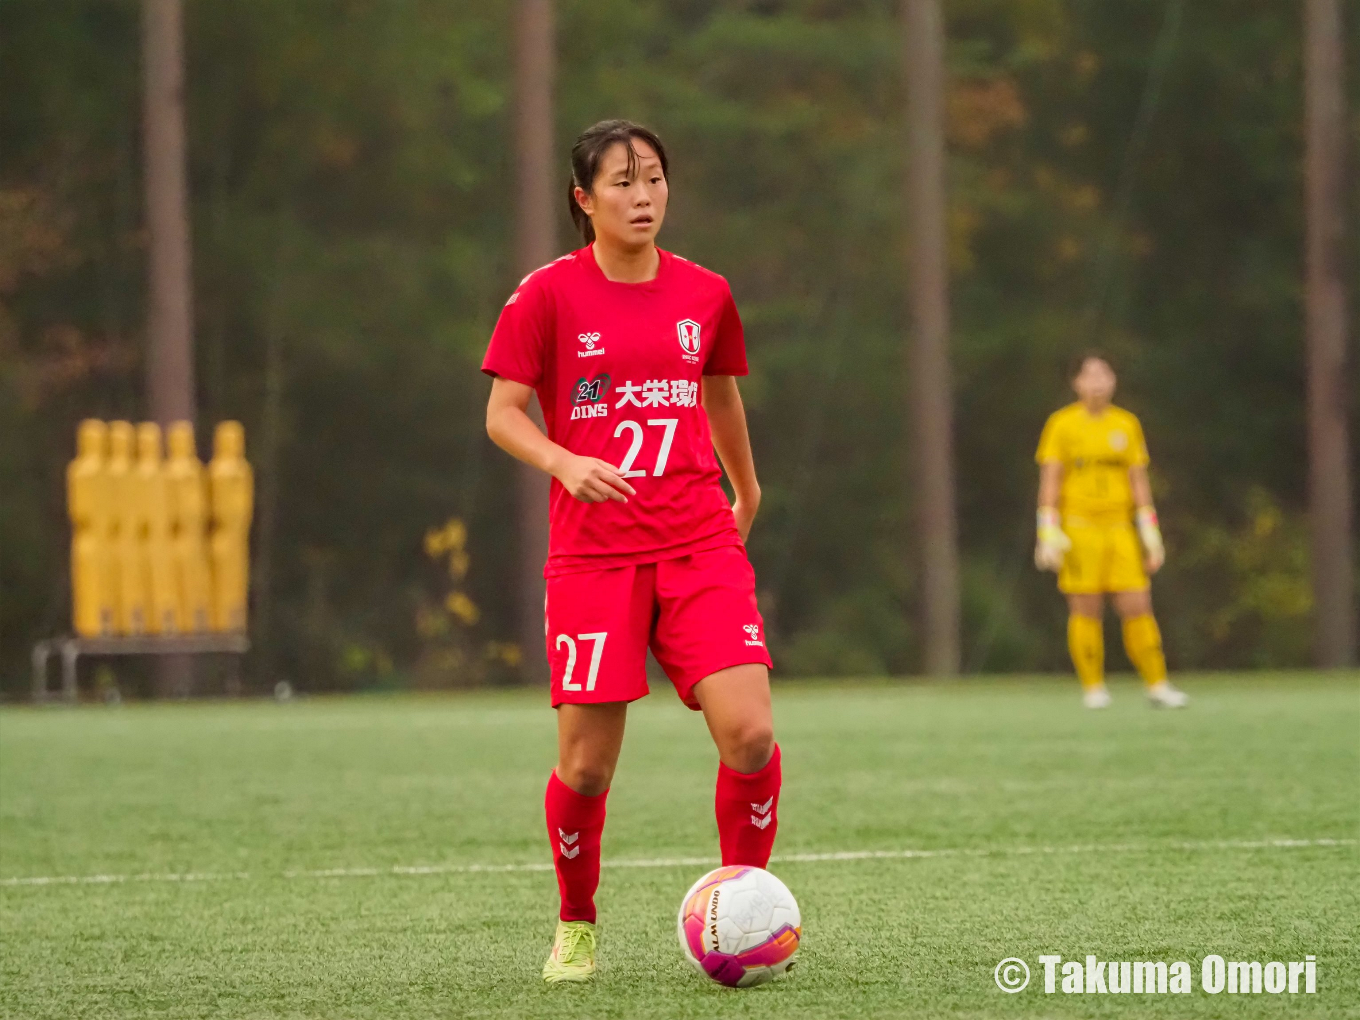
<point x="1151" y="536"/>
<point x="1052" y="542"/>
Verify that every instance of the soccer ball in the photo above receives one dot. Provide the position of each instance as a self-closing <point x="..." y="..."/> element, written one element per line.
<point x="740" y="926"/>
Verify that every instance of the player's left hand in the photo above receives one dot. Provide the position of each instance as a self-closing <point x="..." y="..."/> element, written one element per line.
<point x="745" y="513"/>
<point x="1150" y="532"/>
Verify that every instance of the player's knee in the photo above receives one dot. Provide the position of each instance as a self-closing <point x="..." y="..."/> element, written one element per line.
<point x="1131" y="604"/>
<point x="588" y="777"/>
<point x="749" y="746"/>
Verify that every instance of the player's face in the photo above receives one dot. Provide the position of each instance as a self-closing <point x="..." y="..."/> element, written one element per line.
<point x="1095" y="382"/>
<point x="627" y="209"/>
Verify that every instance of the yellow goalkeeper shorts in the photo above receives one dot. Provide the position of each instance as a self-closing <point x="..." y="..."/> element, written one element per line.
<point x="1103" y="558"/>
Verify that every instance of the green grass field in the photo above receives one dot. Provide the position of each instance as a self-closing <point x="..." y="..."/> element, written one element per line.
<point x="1131" y="834"/>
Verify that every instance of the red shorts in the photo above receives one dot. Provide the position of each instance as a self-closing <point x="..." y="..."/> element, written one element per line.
<point x="697" y="613"/>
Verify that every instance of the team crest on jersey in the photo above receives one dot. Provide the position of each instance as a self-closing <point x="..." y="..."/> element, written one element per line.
<point x="587" y="397"/>
<point x="589" y="340"/>
<point x="1119" y="442"/>
<point x="688" y="332"/>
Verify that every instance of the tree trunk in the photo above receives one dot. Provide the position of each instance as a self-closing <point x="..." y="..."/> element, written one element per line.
<point x="170" y="328"/>
<point x="535" y="245"/>
<point x="1329" y="485"/>
<point x="930" y="391"/>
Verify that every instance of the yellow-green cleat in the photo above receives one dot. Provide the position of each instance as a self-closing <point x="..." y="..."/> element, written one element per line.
<point x="573" y="953"/>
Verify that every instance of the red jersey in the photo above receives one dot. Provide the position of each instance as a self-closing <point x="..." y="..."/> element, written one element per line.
<point x="617" y="368"/>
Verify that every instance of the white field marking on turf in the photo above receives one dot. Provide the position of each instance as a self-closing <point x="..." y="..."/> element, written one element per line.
<point x="674" y="862"/>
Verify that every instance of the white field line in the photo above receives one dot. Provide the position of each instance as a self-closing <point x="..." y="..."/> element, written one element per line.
<point x="675" y="862"/>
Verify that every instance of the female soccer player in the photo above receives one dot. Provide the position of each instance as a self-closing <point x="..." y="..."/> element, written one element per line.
<point x="633" y="353"/>
<point x="1093" y="486"/>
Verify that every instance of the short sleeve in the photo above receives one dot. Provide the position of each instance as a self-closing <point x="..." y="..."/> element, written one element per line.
<point x="1050" y="445"/>
<point x="727" y="356"/>
<point x="1138" y="451"/>
<point x="520" y="339"/>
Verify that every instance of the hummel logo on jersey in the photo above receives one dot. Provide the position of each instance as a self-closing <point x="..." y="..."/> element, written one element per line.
<point x="590" y="340"/>
<point x="763" y="816"/>
<point x="687" y="331"/>
<point x="753" y="635"/>
<point x="567" y="840"/>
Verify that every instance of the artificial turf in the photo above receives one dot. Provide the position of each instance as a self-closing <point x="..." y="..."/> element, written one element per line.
<point x="1131" y="834"/>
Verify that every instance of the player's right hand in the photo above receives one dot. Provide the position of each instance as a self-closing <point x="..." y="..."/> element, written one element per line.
<point x="592" y="480"/>
<point x="1052" y="543"/>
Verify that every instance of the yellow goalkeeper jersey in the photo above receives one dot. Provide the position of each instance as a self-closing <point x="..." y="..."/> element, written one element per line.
<point x="1096" y="452"/>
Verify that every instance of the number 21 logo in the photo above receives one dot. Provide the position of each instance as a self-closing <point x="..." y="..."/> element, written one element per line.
<point x="596" y="651"/>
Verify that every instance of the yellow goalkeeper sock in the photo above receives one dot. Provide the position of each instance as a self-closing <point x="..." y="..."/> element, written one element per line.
<point x="1143" y="642"/>
<point x="1086" y="642"/>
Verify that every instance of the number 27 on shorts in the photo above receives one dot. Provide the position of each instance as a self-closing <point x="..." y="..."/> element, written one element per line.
<point x="596" y="651"/>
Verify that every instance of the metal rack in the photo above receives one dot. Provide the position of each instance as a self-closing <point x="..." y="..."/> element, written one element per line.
<point x="72" y="648"/>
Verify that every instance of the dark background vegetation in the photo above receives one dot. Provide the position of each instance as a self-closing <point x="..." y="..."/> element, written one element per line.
<point x="1123" y="173"/>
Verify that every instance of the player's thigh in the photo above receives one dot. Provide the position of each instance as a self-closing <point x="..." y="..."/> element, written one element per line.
<point x="589" y="738"/>
<point x="1089" y="604"/>
<point x="597" y="625"/>
<point x="736" y="706"/>
<point x="1129" y="604"/>
<point x="707" y="619"/>
<point x="1126" y="574"/>
<point x="1083" y="566"/>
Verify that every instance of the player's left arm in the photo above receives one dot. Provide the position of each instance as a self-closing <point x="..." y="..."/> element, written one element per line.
<point x="727" y="423"/>
<point x="1145" y="514"/>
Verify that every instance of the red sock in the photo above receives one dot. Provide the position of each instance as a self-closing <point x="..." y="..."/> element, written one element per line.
<point x="748" y="813"/>
<point x="575" y="823"/>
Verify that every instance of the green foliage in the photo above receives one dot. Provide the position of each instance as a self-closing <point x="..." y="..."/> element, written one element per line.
<point x="1118" y="177"/>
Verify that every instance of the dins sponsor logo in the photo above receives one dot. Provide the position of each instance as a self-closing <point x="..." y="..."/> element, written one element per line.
<point x="590" y="391"/>
<point x="587" y="397"/>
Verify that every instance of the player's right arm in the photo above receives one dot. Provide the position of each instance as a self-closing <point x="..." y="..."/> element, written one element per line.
<point x="589" y="479"/>
<point x="1051" y="542"/>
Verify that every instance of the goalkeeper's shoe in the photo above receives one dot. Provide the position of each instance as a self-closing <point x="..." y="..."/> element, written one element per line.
<point x="573" y="953"/>
<point x="1096" y="697"/>
<point x="1163" y="695"/>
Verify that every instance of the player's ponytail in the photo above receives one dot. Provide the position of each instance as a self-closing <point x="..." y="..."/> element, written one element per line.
<point x="587" y="153"/>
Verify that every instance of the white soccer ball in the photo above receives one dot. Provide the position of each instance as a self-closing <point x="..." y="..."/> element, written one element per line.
<point x="740" y="926"/>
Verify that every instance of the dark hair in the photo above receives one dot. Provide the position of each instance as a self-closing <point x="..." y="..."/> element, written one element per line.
<point x="1079" y="362"/>
<point x="589" y="150"/>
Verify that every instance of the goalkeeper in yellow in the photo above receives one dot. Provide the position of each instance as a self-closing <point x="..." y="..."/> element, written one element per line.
<point x="1093" y="494"/>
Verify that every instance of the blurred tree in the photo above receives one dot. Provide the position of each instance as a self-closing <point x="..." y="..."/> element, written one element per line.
<point x="536" y="158"/>
<point x="170" y="316"/>
<point x="1329" y="483"/>
<point x="930" y="395"/>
